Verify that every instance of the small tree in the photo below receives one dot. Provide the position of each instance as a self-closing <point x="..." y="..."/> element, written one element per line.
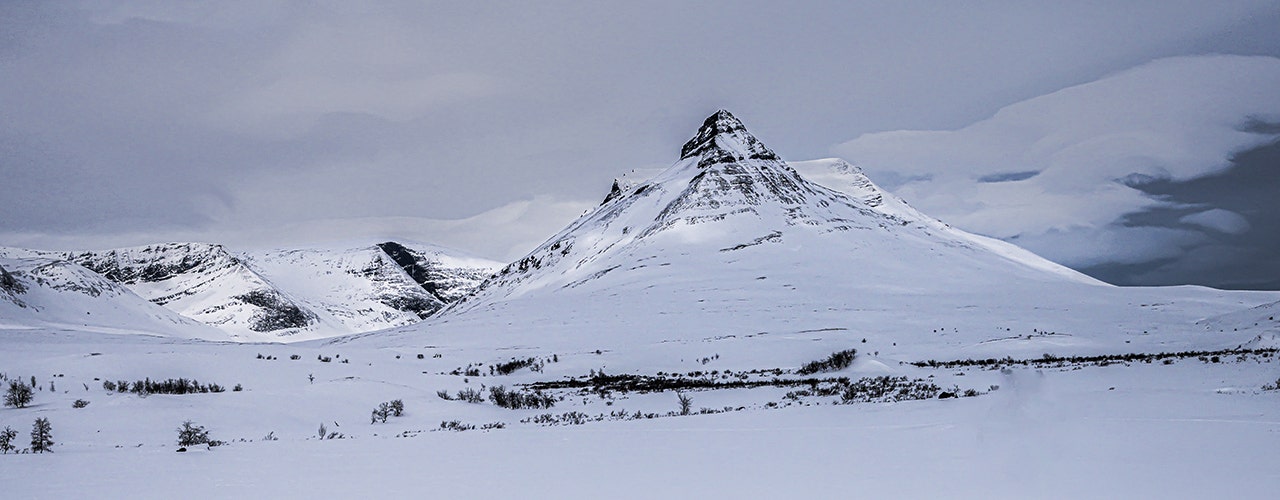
<point x="41" y="436"/>
<point x="191" y="434"/>
<point x="381" y="413"/>
<point x="18" y="395"/>
<point x="397" y="408"/>
<point x="686" y="403"/>
<point x="6" y="440"/>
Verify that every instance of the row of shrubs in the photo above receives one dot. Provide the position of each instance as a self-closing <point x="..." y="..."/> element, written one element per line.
<point x="168" y="386"/>
<point x="1049" y="360"/>
<point x="459" y="426"/>
<point x="505" y="368"/>
<point x="501" y="396"/>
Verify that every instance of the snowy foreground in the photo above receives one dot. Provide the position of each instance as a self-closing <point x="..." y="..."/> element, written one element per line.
<point x="1191" y="428"/>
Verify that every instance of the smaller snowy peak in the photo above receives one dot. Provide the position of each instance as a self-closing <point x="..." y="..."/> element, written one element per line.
<point x="723" y="139"/>
<point x="842" y="176"/>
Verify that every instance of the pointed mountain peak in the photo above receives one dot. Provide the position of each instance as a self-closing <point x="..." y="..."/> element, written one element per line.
<point x="614" y="193"/>
<point x="723" y="139"/>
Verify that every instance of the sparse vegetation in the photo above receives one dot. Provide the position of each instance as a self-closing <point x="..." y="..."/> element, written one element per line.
<point x="388" y="409"/>
<point x="516" y="400"/>
<point x="515" y="364"/>
<point x="79" y="403"/>
<point x="169" y="386"/>
<point x="686" y="402"/>
<point x="470" y="395"/>
<point x="835" y="362"/>
<point x="454" y="425"/>
<point x="1052" y="361"/>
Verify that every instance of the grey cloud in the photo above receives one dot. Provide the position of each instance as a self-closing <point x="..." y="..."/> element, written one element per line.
<point x="167" y="119"/>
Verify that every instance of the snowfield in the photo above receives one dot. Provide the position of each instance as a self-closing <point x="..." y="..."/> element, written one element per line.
<point x="1184" y="430"/>
<point x="734" y="326"/>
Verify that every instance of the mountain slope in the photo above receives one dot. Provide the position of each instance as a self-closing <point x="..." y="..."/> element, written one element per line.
<point x="369" y="288"/>
<point x="203" y="282"/>
<point x="732" y="243"/>
<point x="278" y="295"/>
<point x="48" y="293"/>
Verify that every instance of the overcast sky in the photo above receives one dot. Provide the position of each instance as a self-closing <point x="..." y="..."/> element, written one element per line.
<point x="1105" y="135"/>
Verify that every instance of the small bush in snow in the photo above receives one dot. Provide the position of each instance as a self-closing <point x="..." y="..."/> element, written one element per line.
<point x="380" y="413"/>
<point x="454" y="425"/>
<point x="470" y="395"/>
<point x="80" y="403"/>
<point x="191" y="434"/>
<point x="686" y="403"/>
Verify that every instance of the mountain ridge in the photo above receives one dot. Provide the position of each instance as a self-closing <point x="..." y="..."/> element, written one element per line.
<point x="275" y="295"/>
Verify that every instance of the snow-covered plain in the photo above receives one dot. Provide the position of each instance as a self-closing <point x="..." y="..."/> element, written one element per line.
<point x="1185" y="430"/>
<point x="730" y="266"/>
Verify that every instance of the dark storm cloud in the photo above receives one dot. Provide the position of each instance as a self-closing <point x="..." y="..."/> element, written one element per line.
<point x="1161" y="174"/>
<point x="125" y="122"/>
<point x="1240" y="254"/>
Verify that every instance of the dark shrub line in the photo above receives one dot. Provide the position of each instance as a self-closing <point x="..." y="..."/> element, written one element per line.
<point x="1103" y="359"/>
<point x="835" y="362"/>
<point x="169" y="386"/>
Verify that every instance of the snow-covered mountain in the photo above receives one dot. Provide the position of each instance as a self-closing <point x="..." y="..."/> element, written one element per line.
<point x="368" y="288"/>
<point x="262" y="296"/>
<point x="731" y="242"/>
<point x="41" y="292"/>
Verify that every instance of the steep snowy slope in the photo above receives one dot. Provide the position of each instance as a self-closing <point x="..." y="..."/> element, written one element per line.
<point x="60" y="295"/>
<point x="732" y="243"/>
<point x="368" y="288"/>
<point x="847" y="178"/>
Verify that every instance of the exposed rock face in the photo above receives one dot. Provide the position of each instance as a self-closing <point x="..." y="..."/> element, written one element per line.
<point x="614" y="193"/>
<point x="721" y="139"/>
<point x="274" y="312"/>
<point x="444" y="278"/>
<point x="10" y="284"/>
<point x="154" y="263"/>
